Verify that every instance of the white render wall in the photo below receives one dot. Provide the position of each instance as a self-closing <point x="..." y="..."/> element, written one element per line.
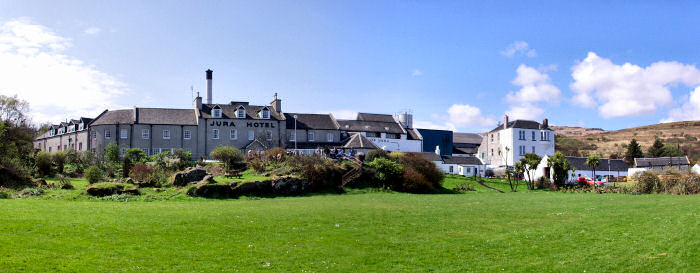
<point x="396" y="145"/>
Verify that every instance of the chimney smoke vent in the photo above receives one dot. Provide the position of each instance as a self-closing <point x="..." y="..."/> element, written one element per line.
<point x="209" y="78"/>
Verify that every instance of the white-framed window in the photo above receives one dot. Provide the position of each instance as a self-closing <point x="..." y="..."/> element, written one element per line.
<point x="240" y="113"/>
<point x="145" y="150"/>
<point x="372" y="134"/>
<point x="533" y="149"/>
<point x="81" y="126"/>
<point x="521" y="150"/>
<point x="216" y="112"/>
<point x="155" y="151"/>
<point x="251" y="135"/>
<point x="533" y="136"/>
<point x="233" y="134"/>
<point x="392" y="136"/>
<point x="292" y="136"/>
<point x="108" y="134"/>
<point x="521" y="135"/>
<point x="329" y="137"/>
<point x="268" y="135"/>
<point x="166" y="134"/>
<point x="123" y="133"/>
<point x="311" y="136"/>
<point x="265" y="113"/>
<point x="71" y="128"/>
<point x="215" y="134"/>
<point x="145" y="133"/>
<point x="187" y="134"/>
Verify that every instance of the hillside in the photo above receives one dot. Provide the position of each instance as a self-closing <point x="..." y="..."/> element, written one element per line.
<point x="585" y="141"/>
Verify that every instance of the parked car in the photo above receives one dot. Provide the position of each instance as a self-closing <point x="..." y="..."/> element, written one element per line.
<point x="588" y="181"/>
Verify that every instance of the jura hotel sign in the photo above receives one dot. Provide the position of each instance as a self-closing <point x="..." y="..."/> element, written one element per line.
<point x="247" y="124"/>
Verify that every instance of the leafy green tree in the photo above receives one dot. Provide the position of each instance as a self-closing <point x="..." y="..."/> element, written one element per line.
<point x="59" y="159"/>
<point x="593" y="161"/>
<point x="388" y="172"/>
<point x="530" y="162"/>
<point x="633" y="151"/>
<point x="656" y="149"/>
<point x="43" y="163"/>
<point x="518" y="169"/>
<point x="93" y="174"/>
<point x="136" y="155"/>
<point x="112" y="152"/>
<point x="670" y="150"/>
<point x="229" y="155"/>
<point x="560" y="167"/>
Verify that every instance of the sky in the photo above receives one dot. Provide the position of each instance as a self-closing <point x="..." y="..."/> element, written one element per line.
<point x="458" y="65"/>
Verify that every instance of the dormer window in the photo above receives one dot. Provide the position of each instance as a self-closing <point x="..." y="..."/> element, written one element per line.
<point x="265" y="113"/>
<point x="81" y="126"/>
<point x="240" y="113"/>
<point x="216" y="112"/>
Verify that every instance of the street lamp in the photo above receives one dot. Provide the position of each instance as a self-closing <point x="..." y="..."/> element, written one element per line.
<point x="295" y="134"/>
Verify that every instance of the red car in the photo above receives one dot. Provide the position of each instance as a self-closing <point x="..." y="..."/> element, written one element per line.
<point x="582" y="180"/>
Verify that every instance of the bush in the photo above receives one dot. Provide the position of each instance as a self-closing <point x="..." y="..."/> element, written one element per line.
<point x="415" y="182"/>
<point x="136" y="155"/>
<point x="14" y="174"/>
<point x="59" y="159"/>
<point x="689" y="185"/>
<point x="142" y="173"/>
<point x="425" y="167"/>
<point x="126" y="166"/>
<point x="42" y="161"/>
<point x="388" y="173"/>
<point x="228" y="155"/>
<point x="111" y="152"/>
<point x="276" y="154"/>
<point x="108" y="188"/>
<point x="648" y="182"/>
<point x="256" y="164"/>
<point x="374" y="154"/>
<point x="543" y="183"/>
<point x="316" y="169"/>
<point x="63" y="182"/>
<point x="93" y="174"/>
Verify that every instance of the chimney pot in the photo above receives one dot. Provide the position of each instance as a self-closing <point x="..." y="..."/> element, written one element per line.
<point x="209" y="92"/>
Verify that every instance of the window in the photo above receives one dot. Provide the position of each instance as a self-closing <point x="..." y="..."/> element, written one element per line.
<point x="123" y="134"/>
<point x="521" y="135"/>
<point x="452" y="169"/>
<point x="215" y="134"/>
<point x="145" y="150"/>
<point x="108" y="134"/>
<point x="240" y="113"/>
<point x="94" y="134"/>
<point x="71" y="129"/>
<point x="392" y="136"/>
<point x="371" y="134"/>
<point x="145" y="133"/>
<point x="166" y="134"/>
<point x="216" y="113"/>
<point x="533" y="135"/>
<point x="156" y="151"/>
<point x="234" y="134"/>
<point x="251" y="135"/>
<point x="533" y="149"/>
<point x="80" y="146"/>
<point x="122" y="151"/>
<point x="187" y="134"/>
<point x="292" y="136"/>
<point x="311" y="136"/>
<point x="265" y="113"/>
<point x="49" y="149"/>
<point x="329" y="137"/>
<point x="521" y="150"/>
<point x="81" y="126"/>
<point x="491" y="152"/>
<point x="268" y="135"/>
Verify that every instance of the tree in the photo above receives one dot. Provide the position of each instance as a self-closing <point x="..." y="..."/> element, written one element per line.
<point x="112" y="152"/>
<point x="518" y="169"/>
<point x="593" y="161"/>
<point x="136" y="155"/>
<point x="59" y="159"/>
<point x="530" y="162"/>
<point x="560" y="167"/>
<point x="670" y="150"/>
<point x="42" y="161"/>
<point x="508" y="171"/>
<point x="656" y="149"/>
<point x="13" y="110"/>
<point x="633" y="151"/>
<point x="228" y="155"/>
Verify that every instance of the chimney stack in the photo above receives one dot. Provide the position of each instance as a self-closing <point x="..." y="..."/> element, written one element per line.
<point x="545" y="124"/>
<point x="505" y="121"/>
<point x="198" y="102"/>
<point x="276" y="104"/>
<point x="209" y="98"/>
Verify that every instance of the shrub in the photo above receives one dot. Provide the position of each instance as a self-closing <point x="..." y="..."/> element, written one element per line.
<point x="256" y="164"/>
<point x="111" y="152"/>
<point x="136" y="155"/>
<point x="425" y="167"/>
<point x="63" y="182"/>
<point x="142" y="173"/>
<point x="93" y="174"/>
<point x="543" y="183"/>
<point x="373" y="154"/>
<point x="14" y="174"/>
<point x="109" y="188"/>
<point x="689" y="185"/>
<point x="59" y="159"/>
<point x="316" y="169"/>
<point x="228" y="155"/>
<point x="648" y="182"/>
<point x="126" y="166"/>
<point x="388" y="173"/>
<point x="276" y="154"/>
<point x="85" y="159"/>
<point x="42" y="161"/>
<point x="415" y="182"/>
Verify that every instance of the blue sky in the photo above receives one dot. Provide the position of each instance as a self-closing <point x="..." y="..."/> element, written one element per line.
<point x="455" y="64"/>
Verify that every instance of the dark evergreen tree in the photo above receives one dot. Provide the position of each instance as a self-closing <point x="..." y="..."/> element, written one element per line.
<point x="633" y="151"/>
<point x="656" y="149"/>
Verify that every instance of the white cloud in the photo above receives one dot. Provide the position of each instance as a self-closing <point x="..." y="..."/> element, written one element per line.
<point x="688" y="111"/>
<point x="535" y="87"/>
<point x="467" y="115"/>
<point x="341" y="114"/>
<point x="57" y="86"/>
<point x="628" y="90"/>
<point x="417" y="72"/>
<point x="92" y="30"/>
<point x="519" y="47"/>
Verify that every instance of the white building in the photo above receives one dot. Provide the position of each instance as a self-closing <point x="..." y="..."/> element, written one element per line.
<point x="466" y="166"/>
<point x="607" y="167"/>
<point x="385" y="131"/>
<point x="510" y="141"/>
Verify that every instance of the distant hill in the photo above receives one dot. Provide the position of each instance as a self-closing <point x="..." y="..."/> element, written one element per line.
<point x="577" y="141"/>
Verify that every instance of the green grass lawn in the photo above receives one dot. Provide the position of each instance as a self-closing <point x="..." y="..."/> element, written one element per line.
<point x="481" y="231"/>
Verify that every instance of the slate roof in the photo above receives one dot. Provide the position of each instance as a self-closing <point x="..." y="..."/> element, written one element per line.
<point x="371" y="126"/>
<point x="461" y="150"/>
<point x="461" y="160"/>
<point x="311" y="121"/>
<point x="615" y="164"/>
<point x="661" y="162"/>
<point x="413" y="134"/>
<point x="466" y="138"/>
<point x="228" y="111"/>
<point x="125" y="116"/>
<point x="522" y="124"/>
<point x="313" y="145"/>
<point x="166" y="116"/>
<point x="358" y="141"/>
<point x="430" y="156"/>
<point x="375" y="117"/>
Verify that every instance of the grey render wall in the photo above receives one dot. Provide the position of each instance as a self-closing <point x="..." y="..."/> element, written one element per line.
<point x="75" y="140"/>
<point x="320" y="136"/>
<point x="488" y="150"/>
<point x="242" y="127"/>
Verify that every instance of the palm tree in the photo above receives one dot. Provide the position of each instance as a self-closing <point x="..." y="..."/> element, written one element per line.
<point x="593" y="161"/>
